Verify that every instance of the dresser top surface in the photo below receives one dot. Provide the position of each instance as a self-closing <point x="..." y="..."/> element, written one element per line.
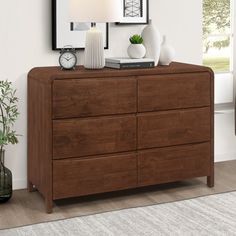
<point x="51" y="73"/>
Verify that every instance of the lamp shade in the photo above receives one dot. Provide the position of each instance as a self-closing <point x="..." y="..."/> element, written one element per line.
<point x="99" y="11"/>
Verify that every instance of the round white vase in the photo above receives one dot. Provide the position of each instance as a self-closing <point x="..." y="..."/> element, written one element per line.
<point x="136" y="51"/>
<point x="167" y="53"/>
<point x="152" y="42"/>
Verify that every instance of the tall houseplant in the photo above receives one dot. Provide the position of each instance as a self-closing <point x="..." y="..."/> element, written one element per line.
<point x="8" y="115"/>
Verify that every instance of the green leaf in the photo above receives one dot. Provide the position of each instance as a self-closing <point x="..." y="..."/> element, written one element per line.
<point x="8" y="113"/>
<point x="136" y="39"/>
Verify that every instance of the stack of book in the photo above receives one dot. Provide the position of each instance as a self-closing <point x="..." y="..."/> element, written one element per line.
<point x="128" y="63"/>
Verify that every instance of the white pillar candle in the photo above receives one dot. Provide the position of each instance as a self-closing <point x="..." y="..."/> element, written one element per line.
<point x="94" y="49"/>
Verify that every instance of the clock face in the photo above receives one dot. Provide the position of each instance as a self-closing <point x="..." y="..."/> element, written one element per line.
<point x="68" y="60"/>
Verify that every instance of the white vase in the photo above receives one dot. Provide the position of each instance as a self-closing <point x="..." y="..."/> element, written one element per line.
<point x="136" y="51"/>
<point x="167" y="53"/>
<point x="152" y="42"/>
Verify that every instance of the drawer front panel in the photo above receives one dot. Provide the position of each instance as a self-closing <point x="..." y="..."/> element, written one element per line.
<point x="176" y="127"/>
<point x="76" y="177"/>
<point x="93" y="97"/>
<point x="95" y="136"/>
<point x="174" y="163"/>
<point x="173" y="91"/>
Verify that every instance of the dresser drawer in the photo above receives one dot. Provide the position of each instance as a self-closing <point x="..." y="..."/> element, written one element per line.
<point x="175" y="127"/>
<point x="174" y="163"/>
<point x="76" y="177"/>
<point x="93" y="97"/>
<point x="94" y="136"/>
<point x="165" y="92"/>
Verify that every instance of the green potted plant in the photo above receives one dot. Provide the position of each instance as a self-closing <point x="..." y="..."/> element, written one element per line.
<point x="136" y="50"/>
<point x="8" y="115"/>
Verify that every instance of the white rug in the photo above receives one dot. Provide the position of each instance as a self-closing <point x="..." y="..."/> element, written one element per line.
<point x="212" y="215"/>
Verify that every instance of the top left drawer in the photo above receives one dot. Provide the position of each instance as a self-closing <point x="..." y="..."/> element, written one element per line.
<point x="93" y="97"/>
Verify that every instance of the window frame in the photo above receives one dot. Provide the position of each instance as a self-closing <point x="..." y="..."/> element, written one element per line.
<point x="233" y="18"/>
<point x="232" y="70"/>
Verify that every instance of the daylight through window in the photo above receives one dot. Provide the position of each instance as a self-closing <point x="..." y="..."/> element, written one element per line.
<point x="218" y="45"/>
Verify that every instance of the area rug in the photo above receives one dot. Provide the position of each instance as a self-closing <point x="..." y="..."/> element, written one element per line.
<point x="211" y="215"/>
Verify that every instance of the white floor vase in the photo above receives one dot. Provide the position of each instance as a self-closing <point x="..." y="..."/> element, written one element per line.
<point x="152" y="42"/>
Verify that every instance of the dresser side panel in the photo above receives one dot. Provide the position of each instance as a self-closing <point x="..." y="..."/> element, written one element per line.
<point x="40" y="136"/>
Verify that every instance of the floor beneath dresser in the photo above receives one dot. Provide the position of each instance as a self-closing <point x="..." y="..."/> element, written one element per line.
<point x="28" y="208"/>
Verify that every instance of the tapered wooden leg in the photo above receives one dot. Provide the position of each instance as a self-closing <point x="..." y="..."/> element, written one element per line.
<point x="210" y="181"/>
<point x="49" y="205"/>
<point x="31" y="187"/>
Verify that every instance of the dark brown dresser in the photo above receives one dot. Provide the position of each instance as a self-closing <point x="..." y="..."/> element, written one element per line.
<point x="95" y="131"/>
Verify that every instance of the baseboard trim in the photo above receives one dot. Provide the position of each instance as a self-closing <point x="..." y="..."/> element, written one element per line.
<point x="19" y="184"/>
<point x="225" y="157"/>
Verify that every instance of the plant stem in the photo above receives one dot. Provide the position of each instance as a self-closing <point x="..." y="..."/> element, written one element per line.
<point x="2" y="168"/>
<point x="1" y="153"/>
<point x="1" y="149"/>
<point x="3" y="122"/>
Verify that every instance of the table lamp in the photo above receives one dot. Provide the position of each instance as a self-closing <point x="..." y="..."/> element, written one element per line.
<point x="96" y="11"/>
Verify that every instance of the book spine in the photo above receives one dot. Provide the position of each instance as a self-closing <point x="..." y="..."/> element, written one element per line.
<point x="130" y="65"/>
<point x="124" y="61"/>
<point x="112" y="65"/>
<point x="137" y="65"/>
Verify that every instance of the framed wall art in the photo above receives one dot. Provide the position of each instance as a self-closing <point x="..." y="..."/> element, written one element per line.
<point x="70" y="33"/>
<point x="135" y="12"/>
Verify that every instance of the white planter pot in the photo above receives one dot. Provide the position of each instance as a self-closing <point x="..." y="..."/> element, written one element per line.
<point x="167" y="53"/>
<point x="152" y="42"/>
<point x="136" y="51"/>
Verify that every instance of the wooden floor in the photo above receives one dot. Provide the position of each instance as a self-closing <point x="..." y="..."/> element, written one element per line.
<point x="28" y="208"/>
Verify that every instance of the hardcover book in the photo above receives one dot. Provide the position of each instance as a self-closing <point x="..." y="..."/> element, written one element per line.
<point x="127" y="60"/>
<point x="128" y="63"/>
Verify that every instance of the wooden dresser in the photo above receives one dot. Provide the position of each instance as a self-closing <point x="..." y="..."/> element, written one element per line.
<point x="94" y="131"/>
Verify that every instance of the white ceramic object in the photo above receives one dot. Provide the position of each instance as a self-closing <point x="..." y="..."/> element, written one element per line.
<point x="94" y="49"/>
<point x="136" y="51"/>
<point x="167" y="53"/>
<point x="152" y="42"/>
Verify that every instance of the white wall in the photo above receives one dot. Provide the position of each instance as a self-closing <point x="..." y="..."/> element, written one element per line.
<point x="25" y="40"/>
<point x="225" y="139"/>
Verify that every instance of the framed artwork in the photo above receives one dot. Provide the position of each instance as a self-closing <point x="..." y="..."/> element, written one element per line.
<point x="135" y="12"/>
<point x="70" y="33"/>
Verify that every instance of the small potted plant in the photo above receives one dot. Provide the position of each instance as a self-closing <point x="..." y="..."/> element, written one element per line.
<point x="136" y="50"/>
<point x="8" y="116"/>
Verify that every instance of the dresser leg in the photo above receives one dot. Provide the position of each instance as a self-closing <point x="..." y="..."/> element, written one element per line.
<point x="210" y="181"/>
<point x="48" y="205"/>
<point x="31" y="187"/>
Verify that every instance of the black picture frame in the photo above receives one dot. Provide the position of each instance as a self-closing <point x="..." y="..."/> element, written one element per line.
<point x="144" y="20"/>
<point x="55" y="24"/>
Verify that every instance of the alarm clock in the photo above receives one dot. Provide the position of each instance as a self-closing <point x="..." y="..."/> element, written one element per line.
<point x="68" y="59"/>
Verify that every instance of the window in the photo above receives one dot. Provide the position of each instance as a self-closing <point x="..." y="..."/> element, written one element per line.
<point x="218" y="46"/>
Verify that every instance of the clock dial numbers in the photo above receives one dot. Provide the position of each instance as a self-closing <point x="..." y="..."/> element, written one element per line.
<point x="67" y="60"/>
